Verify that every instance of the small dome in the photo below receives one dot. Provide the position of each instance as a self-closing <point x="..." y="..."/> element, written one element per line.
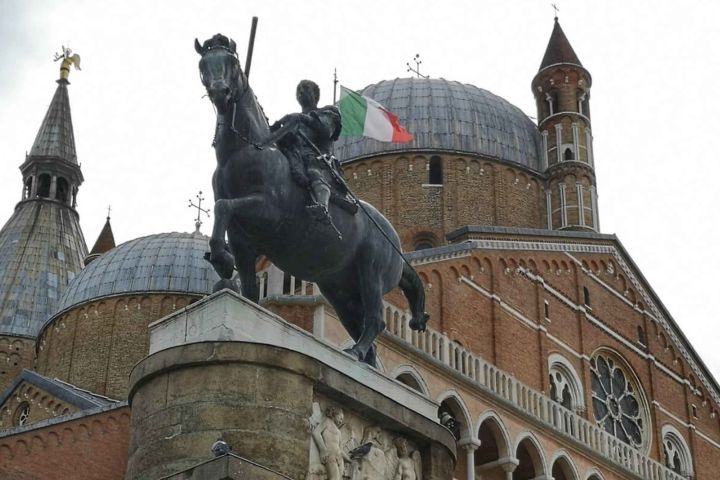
<point x="165" y="262"/>
<point x="449" y="116"/>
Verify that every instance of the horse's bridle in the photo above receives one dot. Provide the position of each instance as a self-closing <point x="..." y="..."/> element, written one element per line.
<point x="235" y="99"/>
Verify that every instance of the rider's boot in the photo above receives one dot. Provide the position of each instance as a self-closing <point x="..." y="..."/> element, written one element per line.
<point x="321" y="197"/>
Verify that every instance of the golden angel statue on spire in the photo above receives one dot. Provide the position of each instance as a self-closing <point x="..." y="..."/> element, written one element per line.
<point x="68" y="58"/>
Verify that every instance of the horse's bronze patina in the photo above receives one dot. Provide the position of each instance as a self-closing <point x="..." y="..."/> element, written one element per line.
<point x="263" y="212"/>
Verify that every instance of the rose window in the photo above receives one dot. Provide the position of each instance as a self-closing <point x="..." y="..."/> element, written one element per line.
<point x="615" y="402"/>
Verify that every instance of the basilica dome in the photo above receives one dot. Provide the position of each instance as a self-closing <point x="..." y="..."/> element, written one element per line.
<point x="449" y="116"/>
<point x="165" y="262"/>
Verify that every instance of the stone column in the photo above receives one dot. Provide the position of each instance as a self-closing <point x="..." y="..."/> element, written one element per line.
<point x="53" y="188"/>
<point x="469" y="445"/>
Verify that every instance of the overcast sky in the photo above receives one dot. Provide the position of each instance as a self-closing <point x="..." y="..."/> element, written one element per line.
<point x="143" y="130"/>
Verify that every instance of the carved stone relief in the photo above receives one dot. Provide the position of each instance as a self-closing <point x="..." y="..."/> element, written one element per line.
<point x="347" y="447"/>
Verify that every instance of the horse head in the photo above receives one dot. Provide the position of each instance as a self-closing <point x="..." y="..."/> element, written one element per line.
<point x="220" y="71"/>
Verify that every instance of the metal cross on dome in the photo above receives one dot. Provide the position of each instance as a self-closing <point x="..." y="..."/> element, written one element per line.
<point x="416" y="70"/>
<point x="200" y="210"/>
<point x="555" y="7"/>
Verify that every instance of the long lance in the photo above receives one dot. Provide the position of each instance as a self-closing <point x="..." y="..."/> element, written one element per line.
<point x="251" y="45"/>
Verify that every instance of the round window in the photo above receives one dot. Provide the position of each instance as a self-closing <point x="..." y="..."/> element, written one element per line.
<point x="616" y="401"/>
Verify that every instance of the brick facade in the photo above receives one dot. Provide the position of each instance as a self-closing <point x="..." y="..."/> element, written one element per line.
<point x="95" y="345"/>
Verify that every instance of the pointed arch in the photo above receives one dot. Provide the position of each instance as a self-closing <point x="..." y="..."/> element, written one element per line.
<point x="593" y="474"/>
<point x="531" y="456"/>
<point x="406" y="371"/>
<point x="491" y="427"/>
<point x="676" y="451"/>
<point x="564" y="378"/>
<point x="450" y="399"/>
<point x="562" y="467"/>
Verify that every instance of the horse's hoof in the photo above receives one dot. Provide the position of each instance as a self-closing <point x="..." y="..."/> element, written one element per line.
<point x="419" y="325"/>
<point x="223" y="263"/>
<point x="228" y="283"/>
<point x="354" y="352"/>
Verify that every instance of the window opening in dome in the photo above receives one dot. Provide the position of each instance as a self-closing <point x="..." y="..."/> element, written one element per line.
<point x="435" y="171"/>
<point x="568" y="155"/>
<point x="423" y="245"/>
<point x="43" y="186"/>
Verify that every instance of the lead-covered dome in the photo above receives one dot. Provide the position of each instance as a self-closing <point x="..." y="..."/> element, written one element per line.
<point x="165" y="262"/>
<point x="450" y="116"/>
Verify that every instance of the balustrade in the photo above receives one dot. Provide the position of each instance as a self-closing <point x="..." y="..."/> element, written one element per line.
<point x="489" y="378"/>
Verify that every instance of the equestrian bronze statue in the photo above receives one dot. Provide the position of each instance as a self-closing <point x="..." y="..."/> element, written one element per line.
<point x="263" y="209"/>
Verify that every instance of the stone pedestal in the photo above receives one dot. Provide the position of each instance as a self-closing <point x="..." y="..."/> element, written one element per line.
<point x="227" y="368"/>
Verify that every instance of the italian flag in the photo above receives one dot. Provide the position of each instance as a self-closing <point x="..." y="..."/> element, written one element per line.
<point x="364" y="117"/>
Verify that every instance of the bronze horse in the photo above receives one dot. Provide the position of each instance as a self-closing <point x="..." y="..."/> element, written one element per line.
<point x="262" y="210"/>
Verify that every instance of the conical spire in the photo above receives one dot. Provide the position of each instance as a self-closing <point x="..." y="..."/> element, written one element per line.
<point x="559" y="49"/>
<point x="42" y="246"/>
<point x="104" y="242"/>
<point x="55" y="137"/>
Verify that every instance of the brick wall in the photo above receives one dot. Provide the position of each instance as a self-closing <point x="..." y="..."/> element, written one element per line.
<point x="88" y="448"/>
<point x="95" y="345"/>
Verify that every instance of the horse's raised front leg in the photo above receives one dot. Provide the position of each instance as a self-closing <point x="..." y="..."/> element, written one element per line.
<point x="220" y="257"/>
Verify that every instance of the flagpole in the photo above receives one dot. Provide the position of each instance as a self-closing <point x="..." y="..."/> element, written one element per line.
<point x="335" y="82"/>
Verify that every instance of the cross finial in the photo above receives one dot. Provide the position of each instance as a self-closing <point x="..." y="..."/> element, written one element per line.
<point x="416" y="70"/>
<point x="556" y="10"/>
<point x="200" y="210"/>
<point x="109" y="210"/>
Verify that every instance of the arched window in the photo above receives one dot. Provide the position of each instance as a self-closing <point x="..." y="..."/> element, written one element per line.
<point x="424" y="240"/>
<point x="43" y="186"/>
<point x="22" y="412"/>
<point x="584" y="103"/>
<point x="642" y="339"/>
<point x="63" y="188"/>
<point x="618" y="405"/>
<point x="435" y="176"/>
<point x="568" y="155"/>
<point x="552" y="100"/>
<point x="676" y="452"/>
<point x="565" y="384"/>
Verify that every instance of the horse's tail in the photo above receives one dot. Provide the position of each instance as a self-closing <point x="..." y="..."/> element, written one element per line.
<point x="414" y="291"/>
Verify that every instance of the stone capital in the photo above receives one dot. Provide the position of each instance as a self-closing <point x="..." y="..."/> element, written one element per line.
<point x="469" y="443"/>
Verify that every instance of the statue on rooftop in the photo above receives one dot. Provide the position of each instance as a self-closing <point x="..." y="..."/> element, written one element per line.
<point x="68" y="58"/>
<point x="261" y="210"/>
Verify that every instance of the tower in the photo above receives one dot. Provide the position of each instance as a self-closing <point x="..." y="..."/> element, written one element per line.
<point x="41" y="246"/>
<point x="562" y="94"/>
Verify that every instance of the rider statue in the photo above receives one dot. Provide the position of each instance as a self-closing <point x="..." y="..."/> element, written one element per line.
<point x="309" y="148"/>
